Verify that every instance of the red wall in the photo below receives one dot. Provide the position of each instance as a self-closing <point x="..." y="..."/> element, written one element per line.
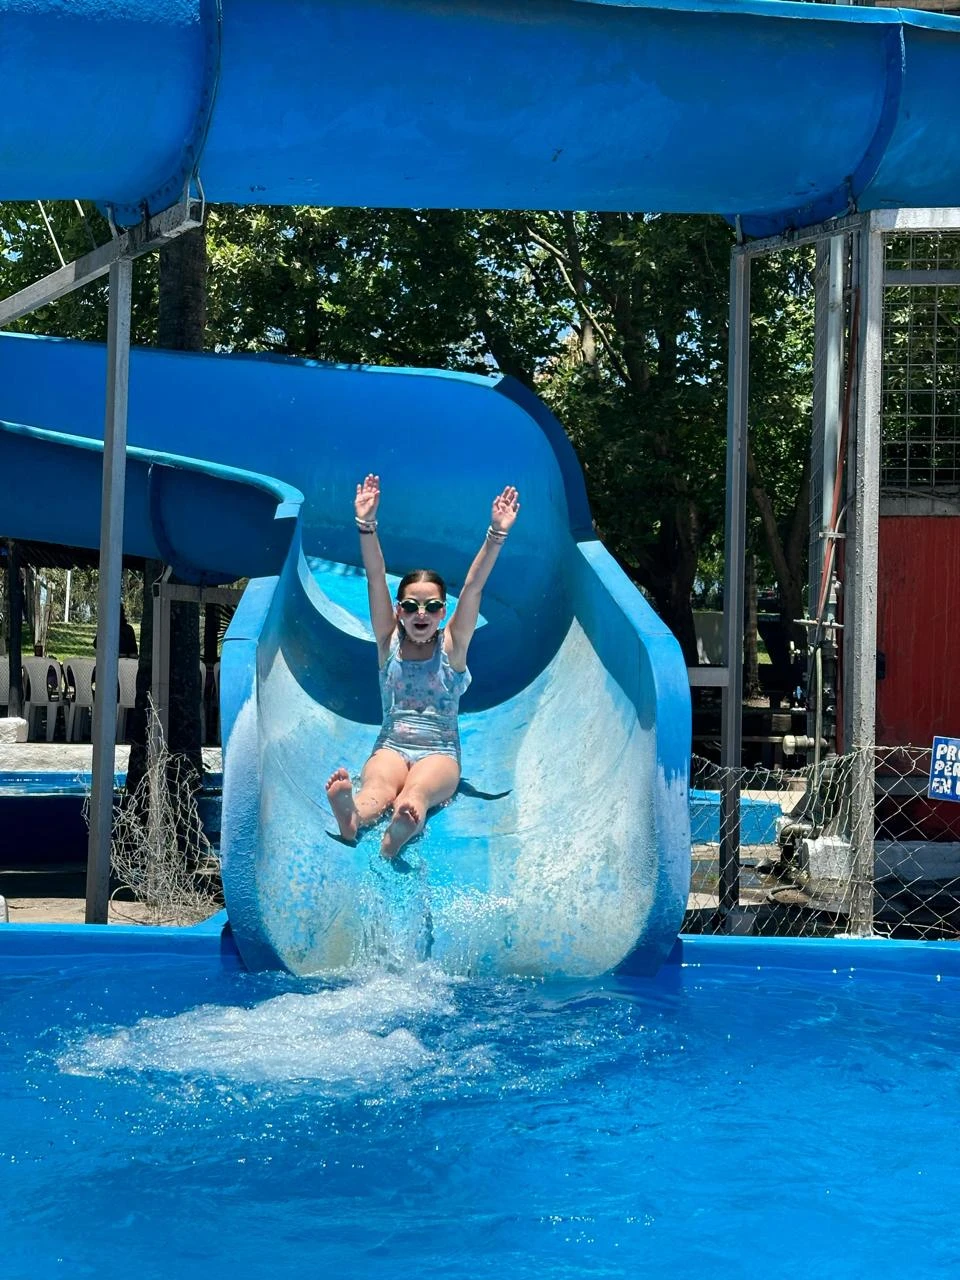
<point x="918" y="613"/>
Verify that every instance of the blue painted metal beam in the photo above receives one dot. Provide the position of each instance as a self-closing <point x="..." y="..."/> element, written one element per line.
<point x="782" y="113"/>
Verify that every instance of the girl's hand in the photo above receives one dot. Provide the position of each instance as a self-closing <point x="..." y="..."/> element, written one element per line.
<point x="505" y="508"/>
<point x="368" y="499"/>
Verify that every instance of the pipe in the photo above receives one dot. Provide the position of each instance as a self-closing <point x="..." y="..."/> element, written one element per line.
<point x="452" y="103"/>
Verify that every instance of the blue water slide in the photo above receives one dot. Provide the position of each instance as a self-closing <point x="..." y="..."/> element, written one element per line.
<point x="781" y="113"/>
<point x="568" y="843"/>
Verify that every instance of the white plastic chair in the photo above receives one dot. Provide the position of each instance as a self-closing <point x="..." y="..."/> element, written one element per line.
<point x="127" y="697"/>
<point x="79" y="678"/>
<point x="42" y="691"/>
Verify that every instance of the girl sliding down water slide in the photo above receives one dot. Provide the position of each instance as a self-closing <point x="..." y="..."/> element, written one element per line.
<point x="415" y="763"/>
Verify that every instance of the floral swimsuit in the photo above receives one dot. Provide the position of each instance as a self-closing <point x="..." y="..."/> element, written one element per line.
<point x="421" y="701"/>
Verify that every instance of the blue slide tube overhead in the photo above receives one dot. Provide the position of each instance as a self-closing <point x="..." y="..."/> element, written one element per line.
<point x="568" y="845"/>
<point x="781" y="113"/>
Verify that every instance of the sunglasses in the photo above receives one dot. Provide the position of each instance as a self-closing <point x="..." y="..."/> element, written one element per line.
<point x="428" y="606"/>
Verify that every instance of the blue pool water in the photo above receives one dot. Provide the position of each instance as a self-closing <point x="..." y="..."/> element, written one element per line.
<point x="173" y="1118"/>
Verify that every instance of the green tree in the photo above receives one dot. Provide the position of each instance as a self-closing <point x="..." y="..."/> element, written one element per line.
<point x="617" y="320"/>
<point x="778" y="458"/>
<point x="28" y="253"/>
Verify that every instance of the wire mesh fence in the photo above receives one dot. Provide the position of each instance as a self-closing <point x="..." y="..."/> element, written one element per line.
<point x="920" y="452"/>
<point x="160" y="855"/>
<point x="812" y="862"/>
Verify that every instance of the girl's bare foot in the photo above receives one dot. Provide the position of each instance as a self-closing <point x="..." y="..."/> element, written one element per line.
<point x="340" y="794"/>
<point x="406" y="823"/>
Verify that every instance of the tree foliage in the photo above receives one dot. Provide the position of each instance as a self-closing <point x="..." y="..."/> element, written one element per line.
<point x="619" y="321"/>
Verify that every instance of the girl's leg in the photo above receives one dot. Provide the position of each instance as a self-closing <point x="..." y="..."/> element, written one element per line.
<point x="429" y="782"/>
<point x="380" y="782"/>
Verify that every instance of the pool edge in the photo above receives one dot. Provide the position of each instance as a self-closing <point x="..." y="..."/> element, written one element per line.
<point x="212" y="941"/>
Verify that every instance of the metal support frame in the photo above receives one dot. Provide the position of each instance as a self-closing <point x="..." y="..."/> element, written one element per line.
<point x="116" y="259"/>
<point x="862" y="496"/>
<point x="166" y="593"/>
<point x="827" y="396"/>
<point x="940" y="219"/>
<point x="861" y="571"/>
<point x="708" y="677"/>
<point x="860" y="656"/>
<point x="734" y="549"/>
<point x="152" y="234"/>
<point x="108" y="593"/>
<point x="829" y="363"/>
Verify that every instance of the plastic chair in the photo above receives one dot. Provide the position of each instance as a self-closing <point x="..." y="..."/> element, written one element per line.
<point x="127" y="696"/>
<point x="42" y="691"/>
<point x="79" y="678"/>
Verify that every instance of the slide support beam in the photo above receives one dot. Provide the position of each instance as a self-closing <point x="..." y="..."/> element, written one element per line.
<point x="108" y="593"/>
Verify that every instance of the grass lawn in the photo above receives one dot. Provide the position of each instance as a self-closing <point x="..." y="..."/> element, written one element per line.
<point x="69" y="640"/>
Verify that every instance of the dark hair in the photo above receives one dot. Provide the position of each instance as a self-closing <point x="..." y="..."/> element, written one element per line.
<point x="422" y="575"/>
<point x="419" y="575"/>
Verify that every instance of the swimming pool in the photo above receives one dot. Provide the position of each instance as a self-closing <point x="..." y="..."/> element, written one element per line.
<point x="41" y="815"/>
<point x="777" y="1108"/>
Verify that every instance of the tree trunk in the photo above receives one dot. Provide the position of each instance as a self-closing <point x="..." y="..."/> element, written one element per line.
<point x="182" y="321"/>
<point x="676" y="611"/>
<point x="181" y="325"/>
<point x="212" y="615"/>
<point x="137" y="763"/>
<point x="670" y="580"/>
<point x="183" y="293"/>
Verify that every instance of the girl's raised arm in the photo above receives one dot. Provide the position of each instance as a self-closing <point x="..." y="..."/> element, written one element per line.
<point x="382" y="620"/>
<point x="462" y="625"/>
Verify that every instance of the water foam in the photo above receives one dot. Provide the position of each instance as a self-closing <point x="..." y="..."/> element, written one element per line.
<point x="353" y="1035"/>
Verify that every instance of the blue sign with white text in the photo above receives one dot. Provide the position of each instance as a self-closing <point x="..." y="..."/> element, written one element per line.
<point x="945" y="770"/>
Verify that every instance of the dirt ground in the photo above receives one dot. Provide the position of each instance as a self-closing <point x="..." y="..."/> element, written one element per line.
<point x="55" y="895"/>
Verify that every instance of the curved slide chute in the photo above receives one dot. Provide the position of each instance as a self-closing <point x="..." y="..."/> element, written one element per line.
<point x="568" y="843"/>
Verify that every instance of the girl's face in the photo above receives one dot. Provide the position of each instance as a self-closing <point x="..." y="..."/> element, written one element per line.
<point x="424" y="623"/>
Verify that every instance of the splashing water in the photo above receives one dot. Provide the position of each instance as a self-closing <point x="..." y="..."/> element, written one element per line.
<point x="353" y="1035"/>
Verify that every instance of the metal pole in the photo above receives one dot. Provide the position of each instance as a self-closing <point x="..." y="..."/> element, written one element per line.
<point x="108" y="595"/>
<point x="827" y="397"/>
<point x="860" y="585"/>
<point x="734" y="548"/>
<point x="828" y="363"/>
<point x="153" y="233"/>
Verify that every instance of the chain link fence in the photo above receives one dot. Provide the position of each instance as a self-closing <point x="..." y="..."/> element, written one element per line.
<point x="812" y="862"/>
<point x="160" y="855"/>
